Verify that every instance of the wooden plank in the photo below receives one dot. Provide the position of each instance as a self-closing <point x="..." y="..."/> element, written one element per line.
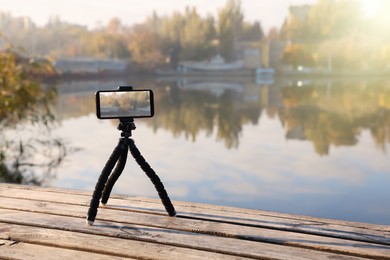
<point x="204" y="227"/>
<point x="223" y="245"/>
<point x="363" y="232"/>
<point x="101" y="244"/>
<point x="151" y="204"/>
<point x="224" y="222"/>
<point x="16" y="250"/>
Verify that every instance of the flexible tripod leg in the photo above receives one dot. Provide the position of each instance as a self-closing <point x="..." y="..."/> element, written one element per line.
<point x="153" y="177"/>
<point x="92" y="211"/>
<point x="114" y="177"/>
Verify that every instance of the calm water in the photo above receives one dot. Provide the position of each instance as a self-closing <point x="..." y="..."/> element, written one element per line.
<point x="312" y="147"/>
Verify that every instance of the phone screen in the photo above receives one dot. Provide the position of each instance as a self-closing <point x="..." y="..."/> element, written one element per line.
<point x="124" y="103"/>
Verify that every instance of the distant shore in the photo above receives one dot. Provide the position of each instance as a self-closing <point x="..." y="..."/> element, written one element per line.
<point x="244" y="73"/>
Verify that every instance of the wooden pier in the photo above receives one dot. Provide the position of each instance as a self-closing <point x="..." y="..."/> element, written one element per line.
<point x="48" y="223"/>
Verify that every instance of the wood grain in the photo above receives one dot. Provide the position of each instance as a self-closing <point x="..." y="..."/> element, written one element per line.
<point x="55" y="218"/>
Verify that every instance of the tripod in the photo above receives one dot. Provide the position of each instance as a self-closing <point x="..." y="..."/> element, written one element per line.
<point x="118" y="157"/>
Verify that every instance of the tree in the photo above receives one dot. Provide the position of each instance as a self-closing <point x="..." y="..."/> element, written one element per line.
<point x="24" y="100"/>
<point x="114" y="26"/>
<point x="145" y="46"/>
<point x="229" y="28"/>
<point x="297" y="55"/>
<point x="251" y="32"/>
<point x="196" y="36"/>
<point x="273" y="34"/>
<point x="19" y="93"/>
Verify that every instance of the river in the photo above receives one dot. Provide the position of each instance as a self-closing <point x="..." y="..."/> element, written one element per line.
<point x="313" y="147"/>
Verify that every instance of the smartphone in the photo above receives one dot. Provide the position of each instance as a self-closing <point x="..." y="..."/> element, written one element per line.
<point x="136" y="103"/>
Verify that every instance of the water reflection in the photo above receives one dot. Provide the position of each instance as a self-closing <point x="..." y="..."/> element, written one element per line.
<point x="337" y="115"/>
<point x="190" y="112"/>
<point x="182" y="108"/>
<point x="31" y="161"/>
<point x="29" y="154"/>
<point x="327" y="113"/>
<point x="244" y="145"/>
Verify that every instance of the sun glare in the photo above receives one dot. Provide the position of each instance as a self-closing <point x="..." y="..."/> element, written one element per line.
<point x="371" y="8"/>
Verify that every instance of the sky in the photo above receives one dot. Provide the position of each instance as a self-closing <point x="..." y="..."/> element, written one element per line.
<point x="93" y="12"/>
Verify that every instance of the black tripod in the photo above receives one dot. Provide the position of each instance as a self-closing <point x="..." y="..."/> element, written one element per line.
<point x="118" y="157"/>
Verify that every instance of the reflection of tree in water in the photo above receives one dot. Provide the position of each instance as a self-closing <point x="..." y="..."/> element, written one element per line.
<point x="379" y="126"/>
<point x="193" y="111"/>
<point x="321" y="127"/>
<point x="228" y="121"/>
<point x="24" y="104"/>
<point x="18" y="160"/>
<point x="187" y="112"/>
<point x="337" y="118"/>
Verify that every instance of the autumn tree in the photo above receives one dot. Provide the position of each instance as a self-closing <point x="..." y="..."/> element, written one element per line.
<point x="24" y="100"/>
<point x="230" y="19"/>
<point x="115" y="41"/>
<point x="297" y="55"/>
<point x="251" y="32"/>
<point x="145" y="46"/>
<point x="196" y="36"/>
